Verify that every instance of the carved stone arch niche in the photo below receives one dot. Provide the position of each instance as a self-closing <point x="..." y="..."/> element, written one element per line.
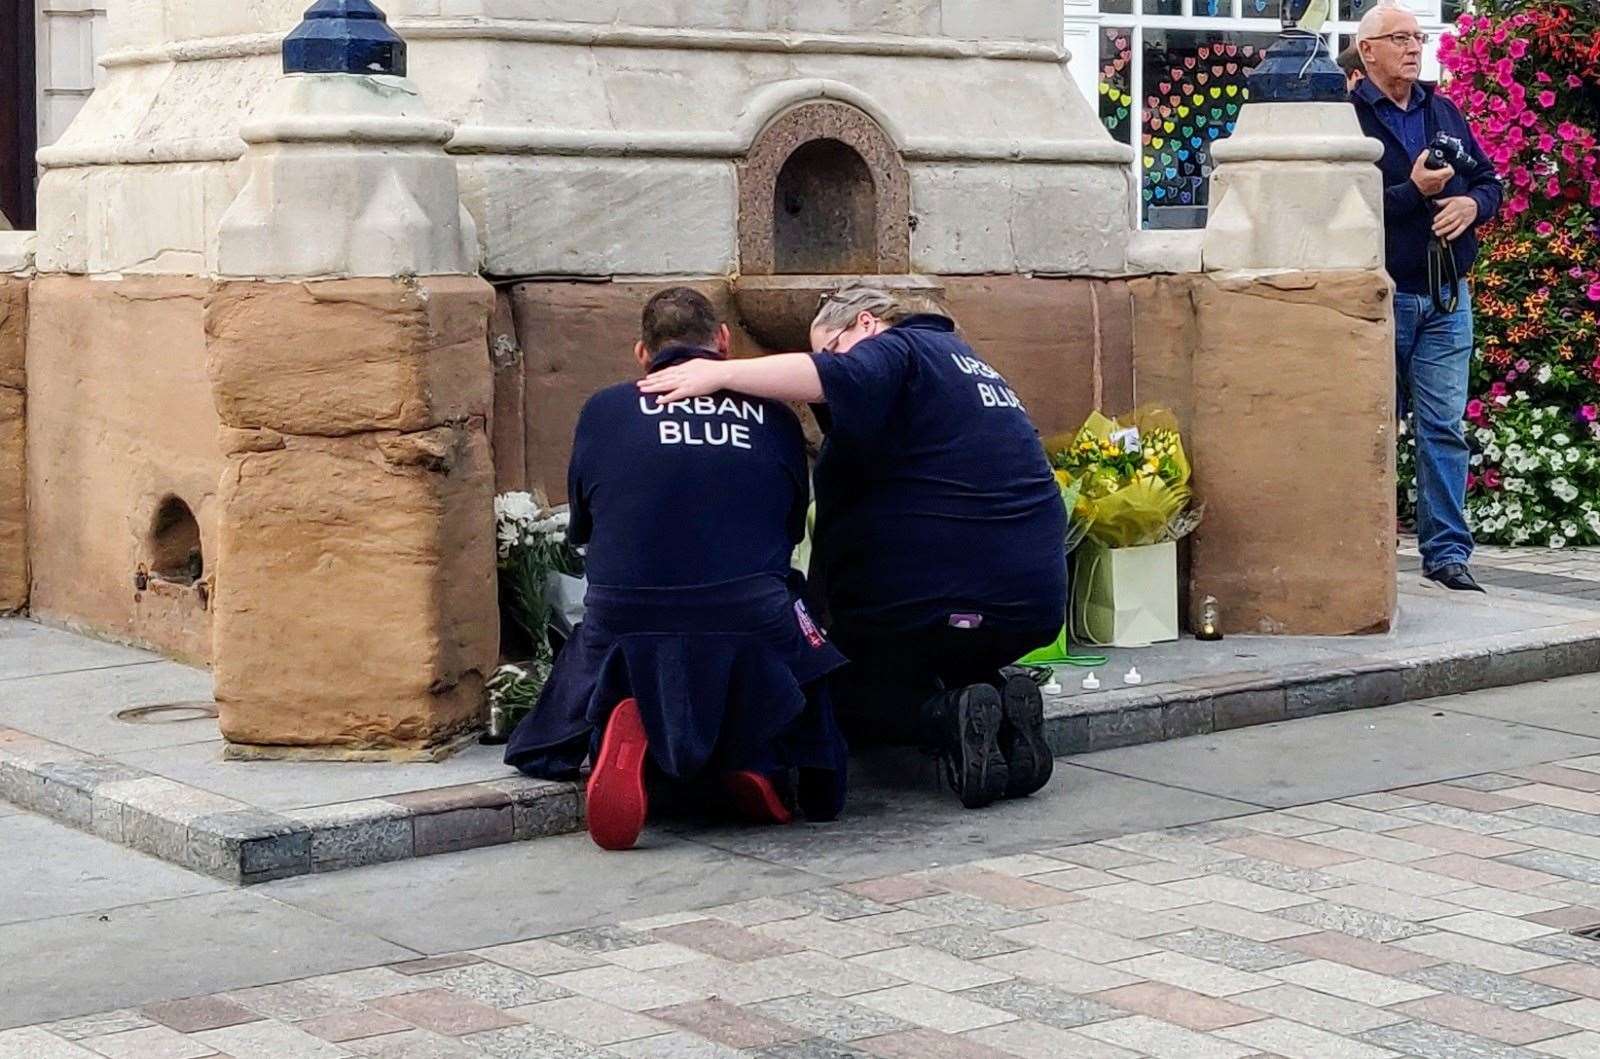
<point x="823" y="191"/>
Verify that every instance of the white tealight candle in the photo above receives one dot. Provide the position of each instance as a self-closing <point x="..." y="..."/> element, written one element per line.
<point x="1091" y="683"/>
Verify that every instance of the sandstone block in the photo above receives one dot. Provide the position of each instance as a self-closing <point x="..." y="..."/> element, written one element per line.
<point x="13" y="502"/>
<point x="1064" y="345"/>
<point x="604" y="216"/>
<point x="340" y="357"/>
<point x="1292" y="439"/>
<point x="1164" y="340"/>
<point x="13" y="444"/>
<point x="993" y="217"/>
<point x="121" y="420"/>
<point x="356" y="599"/>
<point x="13" y="331"/>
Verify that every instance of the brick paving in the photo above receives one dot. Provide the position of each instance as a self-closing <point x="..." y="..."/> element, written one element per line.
<point x="1433" y="921"/>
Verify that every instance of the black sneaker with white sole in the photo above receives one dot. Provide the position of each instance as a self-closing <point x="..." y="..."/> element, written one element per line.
<point x="1028" y="759"/>
<point x="965" y="728"/>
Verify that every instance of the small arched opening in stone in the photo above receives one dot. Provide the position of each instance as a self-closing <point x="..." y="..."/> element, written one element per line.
<point x="825" y="212"/>
<point x="174" y="543"/>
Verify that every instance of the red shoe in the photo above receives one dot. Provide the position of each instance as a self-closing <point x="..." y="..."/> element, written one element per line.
<point x="756" y="798"/>
<point x="617" y="800"/>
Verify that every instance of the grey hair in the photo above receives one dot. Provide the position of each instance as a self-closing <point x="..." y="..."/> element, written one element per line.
<point x="1377" y="15"/>
<point x="840" y="308"/>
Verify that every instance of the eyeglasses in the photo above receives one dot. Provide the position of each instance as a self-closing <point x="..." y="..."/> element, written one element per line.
<point x="1400" y="40"/>
<point x="833" y="345"/>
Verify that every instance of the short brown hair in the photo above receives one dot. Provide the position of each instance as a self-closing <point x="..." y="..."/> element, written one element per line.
<point x="678" y="316"/>
<point x="1350" y="60"/>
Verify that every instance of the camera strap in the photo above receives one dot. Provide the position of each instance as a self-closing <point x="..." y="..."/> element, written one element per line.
<point x="1444" y="279"/>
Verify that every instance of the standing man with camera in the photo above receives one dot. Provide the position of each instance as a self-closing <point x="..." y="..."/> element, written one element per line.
<point x="1438" y="187"/>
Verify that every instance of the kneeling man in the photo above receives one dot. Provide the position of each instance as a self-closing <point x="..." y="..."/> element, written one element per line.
<point x="696" y="654"/>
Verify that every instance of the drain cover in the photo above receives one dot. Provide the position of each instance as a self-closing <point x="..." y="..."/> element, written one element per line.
<point x="168" y="713"/>
<point x="1592" y="933"/>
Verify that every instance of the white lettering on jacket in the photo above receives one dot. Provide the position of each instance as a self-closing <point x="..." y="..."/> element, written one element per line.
<point x="749" y="411"/>
<point x="736" y="435"/>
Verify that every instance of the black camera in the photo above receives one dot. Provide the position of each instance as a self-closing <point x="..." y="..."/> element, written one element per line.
<point x="1447" y="150"/>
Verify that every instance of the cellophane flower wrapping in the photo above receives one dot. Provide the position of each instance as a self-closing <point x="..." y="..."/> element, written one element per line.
<point x="533" y="551"/>
<point x="1132" y="477"/>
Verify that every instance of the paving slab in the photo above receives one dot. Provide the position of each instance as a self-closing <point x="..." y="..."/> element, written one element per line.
<point x="282" y="785"/>
<point x="507" y="893"/>
<point x="900" y="819"/>
<point x="28" y="649"/>
<point x="48" y="870"/>
<point x="1400" y="745"/>
<point x="163" y="950"/>
<point x="1571" y="705"/>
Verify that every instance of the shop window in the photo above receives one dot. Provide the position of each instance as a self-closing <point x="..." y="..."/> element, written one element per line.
<point x="1194" y="87"/>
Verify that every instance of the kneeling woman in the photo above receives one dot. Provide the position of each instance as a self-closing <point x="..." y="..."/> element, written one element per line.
<point x="938" y="548"/>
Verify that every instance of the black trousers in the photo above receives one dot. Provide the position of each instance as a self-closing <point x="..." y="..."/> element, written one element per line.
<point x="878" y="697"/>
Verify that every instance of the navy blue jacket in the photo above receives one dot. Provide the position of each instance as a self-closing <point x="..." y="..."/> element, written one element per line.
<point x="1407" y="216"/>
<point x="934" y="495"/>
<point x="690" y="512"/>
<point x="693" y="493"/>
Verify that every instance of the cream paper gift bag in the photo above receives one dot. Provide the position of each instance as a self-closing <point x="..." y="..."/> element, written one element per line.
<point x="1125" y="597"/>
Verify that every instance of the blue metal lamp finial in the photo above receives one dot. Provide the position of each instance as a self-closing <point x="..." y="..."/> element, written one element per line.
<point x="344" y="37"/>
<point x="1297" y="69"/>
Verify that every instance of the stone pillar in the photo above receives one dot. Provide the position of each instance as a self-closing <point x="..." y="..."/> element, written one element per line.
<point x="347" y="345"/>
<point x="1293" y="421"/>
<point x="16" y="263"/>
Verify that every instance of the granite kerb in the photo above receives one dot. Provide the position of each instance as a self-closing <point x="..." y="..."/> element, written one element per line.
<point x="244" y="844"/>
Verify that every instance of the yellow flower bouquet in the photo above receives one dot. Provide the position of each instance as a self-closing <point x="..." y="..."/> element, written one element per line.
<point x="1132" y="477"/>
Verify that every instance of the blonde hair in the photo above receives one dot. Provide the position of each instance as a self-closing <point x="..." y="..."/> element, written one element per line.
<point x="840" y="308"/>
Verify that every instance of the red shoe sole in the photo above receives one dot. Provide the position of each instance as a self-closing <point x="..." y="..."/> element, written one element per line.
<point x="618" y="803"/>
<point x="756" y="798"/>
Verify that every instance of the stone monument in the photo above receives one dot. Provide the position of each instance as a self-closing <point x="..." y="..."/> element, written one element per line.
<point x="257" y="300"/>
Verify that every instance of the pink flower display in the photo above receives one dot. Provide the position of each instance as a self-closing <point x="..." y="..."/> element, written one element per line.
<point x="1526" y="73"/>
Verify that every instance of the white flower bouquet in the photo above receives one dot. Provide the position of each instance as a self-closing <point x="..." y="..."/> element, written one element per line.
<point x="540" y="571"/>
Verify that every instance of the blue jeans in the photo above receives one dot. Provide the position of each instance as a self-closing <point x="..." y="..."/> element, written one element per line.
<point x="1433" y="351"/>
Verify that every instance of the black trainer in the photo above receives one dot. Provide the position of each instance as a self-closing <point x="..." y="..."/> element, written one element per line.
<point x="1456" y="577"/>
<point x="1022" y="739"/>
<point x="965" y="728"/>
